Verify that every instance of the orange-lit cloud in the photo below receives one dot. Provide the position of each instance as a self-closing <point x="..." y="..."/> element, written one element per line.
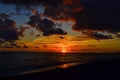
<point x="58" y="44"/>
<point x="77" y="9"/>
<point x="68" y="2"/>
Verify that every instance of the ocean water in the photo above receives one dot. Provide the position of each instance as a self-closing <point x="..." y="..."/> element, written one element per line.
<point x="14" y="63"/>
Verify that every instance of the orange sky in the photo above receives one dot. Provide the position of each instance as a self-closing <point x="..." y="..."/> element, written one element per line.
<point x="78" y="31"/>
<point x="69" y="44"/>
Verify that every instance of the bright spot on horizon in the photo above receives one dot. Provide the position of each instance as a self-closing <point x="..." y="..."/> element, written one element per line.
<point x="63" y="51"/>
<point x="63" y="47"/>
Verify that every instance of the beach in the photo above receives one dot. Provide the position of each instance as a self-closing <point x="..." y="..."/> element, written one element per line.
<point x="85" y="66"/>
<point x="98" y="70"/>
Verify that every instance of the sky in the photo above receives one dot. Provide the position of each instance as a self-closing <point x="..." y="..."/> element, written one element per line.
<point x="60" y="26"/>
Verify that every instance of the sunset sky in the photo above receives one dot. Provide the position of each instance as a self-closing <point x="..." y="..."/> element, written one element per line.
<point x="60" y="26"/>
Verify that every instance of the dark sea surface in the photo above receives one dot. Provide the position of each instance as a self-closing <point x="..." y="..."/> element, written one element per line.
<point x="16" y="63"/>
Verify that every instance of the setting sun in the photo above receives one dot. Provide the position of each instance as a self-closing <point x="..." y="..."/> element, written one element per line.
<point x="63" y="51"/>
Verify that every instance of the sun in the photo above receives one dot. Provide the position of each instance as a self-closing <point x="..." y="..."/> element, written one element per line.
<point x="62" y="48"/>
<point x="63" y="51"/>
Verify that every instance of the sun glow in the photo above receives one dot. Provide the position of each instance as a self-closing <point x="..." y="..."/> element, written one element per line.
<point x="63" y="51"/>
<point x="61" y="48"/>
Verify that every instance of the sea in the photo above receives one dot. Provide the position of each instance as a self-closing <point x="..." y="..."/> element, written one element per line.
<point x="20" y="63"/>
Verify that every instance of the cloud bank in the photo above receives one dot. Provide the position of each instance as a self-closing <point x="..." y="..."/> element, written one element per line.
<point x="98" y="15"/>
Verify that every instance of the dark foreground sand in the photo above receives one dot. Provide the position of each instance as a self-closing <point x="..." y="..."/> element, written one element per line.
<point x="99" y="70"/>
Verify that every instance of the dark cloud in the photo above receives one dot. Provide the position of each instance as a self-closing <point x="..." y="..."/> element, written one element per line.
<point x="32" y="2"/>
<point x="99" y="15"/>
<point x="8" y="34"/>
<point x="13" y="44"/>
<point x="89" y="14"/>
<point x="98" y="36"/>
<point x="8" y="30"/>
<point x="118" y="35"/>
<point x="61" y="37"/>
<point x="101" y="36"/>
<point x="46" y="26"/>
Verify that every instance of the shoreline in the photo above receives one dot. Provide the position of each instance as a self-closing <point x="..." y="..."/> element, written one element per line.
<point x="37" y="69"/>
<point x="96" y="70"/>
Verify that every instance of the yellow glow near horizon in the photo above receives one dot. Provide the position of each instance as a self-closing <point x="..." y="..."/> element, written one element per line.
<point x="63" y="51"/>
<point x="63" y="46"/>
